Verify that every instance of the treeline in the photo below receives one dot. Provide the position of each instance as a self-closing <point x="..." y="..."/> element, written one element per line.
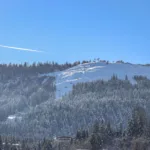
<point x="8" y="71"/>
<point x="114" y="84"/>
<point x="103" y="135"/>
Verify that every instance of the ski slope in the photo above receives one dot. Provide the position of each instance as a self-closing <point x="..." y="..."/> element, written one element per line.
<point x="94" y="71"/>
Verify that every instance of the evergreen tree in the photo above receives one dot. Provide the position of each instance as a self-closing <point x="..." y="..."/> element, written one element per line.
<point x="6" y="146"/>
<point x="23" y="145"/>
<point x="13" y="148"/>
<point x="95" y="142"/>
<point x="1" y="143"/>
<point x="46" y="145"/>
<point x="138" y="122"/>
<point x="126" y="78"/>
<point x="83" y="134"/>
<point x="109" y="131"/>
<point x="87" y="134"/>
<point x="96" y="127"/>
<point x="78" y="135"/>
<point x="39" y="146"/>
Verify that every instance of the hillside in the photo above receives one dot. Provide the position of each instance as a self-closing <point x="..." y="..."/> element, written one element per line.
<point x="93" y="71"/>
<point x="60" y="103"/>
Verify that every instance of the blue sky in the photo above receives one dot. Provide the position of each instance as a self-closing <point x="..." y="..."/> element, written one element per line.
<point x="70" y="30"/>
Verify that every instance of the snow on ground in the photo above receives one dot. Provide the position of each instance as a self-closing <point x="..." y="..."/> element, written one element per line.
<point x="93" y="71"/>
<point x="11" y="117"/>
<point x="14" y="117"/>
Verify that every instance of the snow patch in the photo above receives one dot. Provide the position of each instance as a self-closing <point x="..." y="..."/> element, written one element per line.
<point x="13" y="117"/>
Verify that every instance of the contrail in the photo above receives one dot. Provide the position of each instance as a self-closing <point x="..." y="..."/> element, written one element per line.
<point x="21" y="49"/>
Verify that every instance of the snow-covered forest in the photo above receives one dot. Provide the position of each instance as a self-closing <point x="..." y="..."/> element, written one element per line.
<point x="29" y="105"/>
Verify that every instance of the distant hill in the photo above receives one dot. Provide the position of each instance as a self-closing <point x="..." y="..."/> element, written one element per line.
<point x="96" y="70"/>
<point x="58" y="103"/>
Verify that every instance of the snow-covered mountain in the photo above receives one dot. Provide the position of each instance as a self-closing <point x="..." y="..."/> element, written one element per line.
<point x="93" y="71"/>
<point x="28" y="104"/>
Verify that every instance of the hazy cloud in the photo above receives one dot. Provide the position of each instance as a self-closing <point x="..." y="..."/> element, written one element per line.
<point x="21" y="49"/>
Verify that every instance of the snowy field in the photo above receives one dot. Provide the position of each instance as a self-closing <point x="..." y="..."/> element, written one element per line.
<point x="93" y="71"/>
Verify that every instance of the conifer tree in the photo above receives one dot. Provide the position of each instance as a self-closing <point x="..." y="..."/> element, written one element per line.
<point x="1" y="143"/>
